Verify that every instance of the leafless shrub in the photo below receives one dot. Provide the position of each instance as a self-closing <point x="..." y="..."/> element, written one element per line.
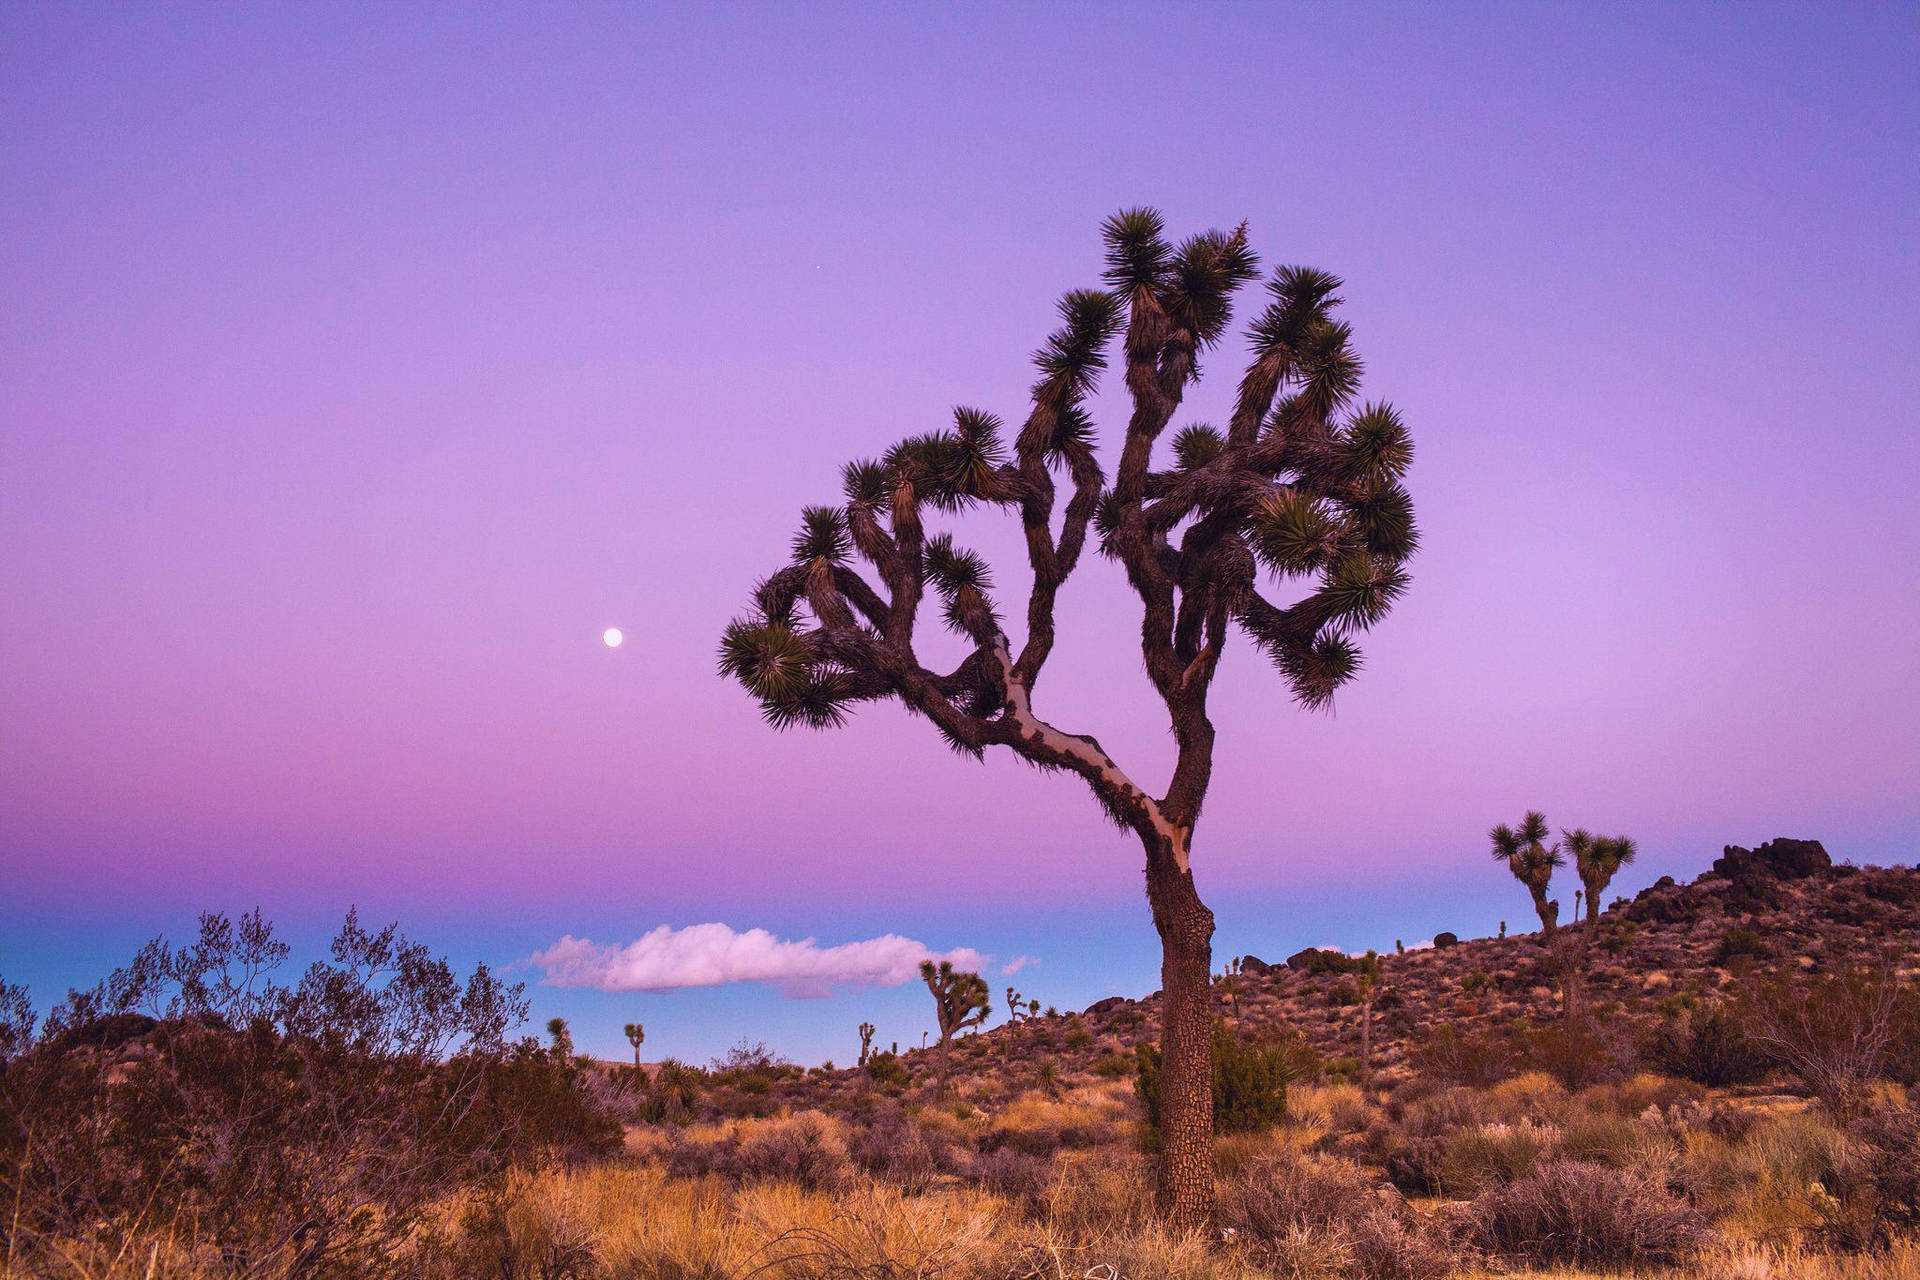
<point x="1837" y="1031"/>
<point x="1289" y="1195"/>
<point x="805" y="1150"/>
<point x="1586" y="1215"/>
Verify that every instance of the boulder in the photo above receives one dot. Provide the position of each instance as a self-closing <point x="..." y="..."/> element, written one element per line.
<point x="1781" y="857"/>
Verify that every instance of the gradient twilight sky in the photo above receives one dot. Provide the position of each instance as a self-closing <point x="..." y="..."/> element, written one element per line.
<point x="358" y="366"/>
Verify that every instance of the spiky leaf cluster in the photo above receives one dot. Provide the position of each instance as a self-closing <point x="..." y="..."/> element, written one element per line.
<point x="1303" y="490"/>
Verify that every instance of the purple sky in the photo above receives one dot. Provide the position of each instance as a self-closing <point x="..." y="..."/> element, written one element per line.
<point x="358" y="367"/>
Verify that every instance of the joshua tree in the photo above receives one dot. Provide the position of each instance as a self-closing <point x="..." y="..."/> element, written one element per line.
<point x="562" y="1038"/>
<point x="635" y="1034"/>
<point x="1367" y="977"/>
<point x="1303" y="482"/>
<point x="1598" y="859"/>
<point x="866" y="1042"/>
<point x="959" y="1001"/>
<point x="1531" y="862"/>
<point x="1018" y="1006"/>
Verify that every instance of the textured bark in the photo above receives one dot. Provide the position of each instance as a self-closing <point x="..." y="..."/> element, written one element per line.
<point x="1184" y="1190"/>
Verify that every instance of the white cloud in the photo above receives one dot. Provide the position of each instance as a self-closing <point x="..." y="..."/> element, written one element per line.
<point x="1016" y="964"/>
<point x="712" y="955"/>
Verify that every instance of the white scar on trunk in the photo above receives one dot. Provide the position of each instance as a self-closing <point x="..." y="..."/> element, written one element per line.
<point x="1020" y="709"/>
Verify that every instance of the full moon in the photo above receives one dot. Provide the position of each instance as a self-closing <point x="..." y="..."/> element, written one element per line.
<point x="612" y="637"/>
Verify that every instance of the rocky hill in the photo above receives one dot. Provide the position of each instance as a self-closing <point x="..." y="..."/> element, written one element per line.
<point x="1784" y="905"/>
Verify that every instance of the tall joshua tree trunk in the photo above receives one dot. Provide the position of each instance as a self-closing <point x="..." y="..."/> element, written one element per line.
<point x="1185" y="925"/>
<point x="1303" y="483"/>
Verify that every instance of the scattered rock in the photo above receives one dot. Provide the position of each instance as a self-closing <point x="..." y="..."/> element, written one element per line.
<point x="1787" y="859"/>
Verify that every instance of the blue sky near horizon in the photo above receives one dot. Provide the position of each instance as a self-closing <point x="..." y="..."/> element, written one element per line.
<point x="362" y="363"/>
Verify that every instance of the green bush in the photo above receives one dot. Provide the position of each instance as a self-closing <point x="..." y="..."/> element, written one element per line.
<point x="886" y="1070"/>
<point x="1250" y="1082"/>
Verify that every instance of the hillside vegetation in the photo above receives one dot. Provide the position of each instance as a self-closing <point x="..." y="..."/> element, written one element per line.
<point x="1709" y="1080"/>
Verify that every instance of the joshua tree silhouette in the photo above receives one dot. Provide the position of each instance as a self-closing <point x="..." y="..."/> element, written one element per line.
<point x="960" y="1001"/>
<point x="1531" y="862"/>
<point x="1598" y="859"/>
<point x="635" y="1034"/>
<point x="1304" y="483"/>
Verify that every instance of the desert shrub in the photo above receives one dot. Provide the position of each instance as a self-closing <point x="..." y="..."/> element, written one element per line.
<point x="1874" y="1192"/>
<point x="1077" y="1036"/>
<point x="1100" y="1197"/>
<point x="896" y="1150"/>
<point x="1837" y="1031"/>
<point x="1736" y="944"/>
<point x="306" y="1126"/>
<point x="1466" y="1057"/>
<point x="1708" y="1045"/>
<point x="1611" y="1140"/>
<point x="1288" y="1197"/>
<point x="691" y="1158"/>
<point x="1250" y="1082"/>
<point x="525" y="1229"/>
<point x="1585" y="1215"/>
<point x="1313" y="961"/>
<point x="887" y="1071"/>
<point x="1574" y="1053"/>
<point x="673" y="1096"/>
<point x="1112" y="1066"/>
<point x="805" y="1150"/>
<point x="1471" y="1160"/>
<point x="1019" y="1176"/>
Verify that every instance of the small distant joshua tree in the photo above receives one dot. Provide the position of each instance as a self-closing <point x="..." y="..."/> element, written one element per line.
<point x="1301" y="487"/>
<point x="1018" y="1006"/>
<point x="561" y="1037"/>
<point x="866" y="1043"/>
<point x="1367" y="979"/>
<point x="635" y="1035"/>
<point x="960" y="1001"/>
<point x="1598" y="859"/>
<point x="1531" y="862"/>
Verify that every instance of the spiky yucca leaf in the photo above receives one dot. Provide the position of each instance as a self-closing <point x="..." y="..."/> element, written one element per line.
<point x="1360" y="588"/>
<point x="1614" y="852"/>
<point x="1316" y="672"/>
<point x="976" y="454"/>
<point x="1074" y="354"/>
<point x="1137" y="252"/>
<point x="1206" y="272"/>
<point x="1073" y="435"/>
<point x="1329" y="370"/>
<point x="1377" y="445"/>
<point x="1506" y="842"/>
<point x="950" y="568"/>
<point x="1533" y="827"/>
<point x="770" y="660"/>
<point x="820" y="703"/>
<point x="866" y="483"/>
<point x="1197" y="445"/>
<point x="822" y="536"/>
<point x="1292" y="532"/>
<point x="1106" y="521"/>
<point x="773" y="598"/>
<point x="1383" y="516"/>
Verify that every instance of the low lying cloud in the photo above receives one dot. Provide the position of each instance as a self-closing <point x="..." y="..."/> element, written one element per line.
<point x="713" y="955"/>
<point x="1016" y="964"/>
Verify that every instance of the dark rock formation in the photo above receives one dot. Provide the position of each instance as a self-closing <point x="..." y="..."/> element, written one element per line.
<point x="1780" y="857"/>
